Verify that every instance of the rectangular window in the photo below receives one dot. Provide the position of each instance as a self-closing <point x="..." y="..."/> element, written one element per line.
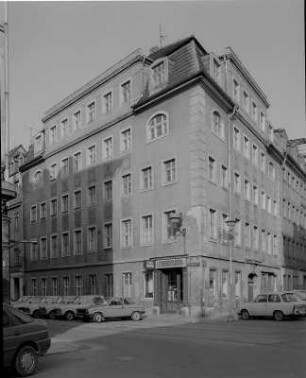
<point x="271" y="171"/>
<point x="126" y="233"/>
<point x="77" y="162"/>
<point x="33" y="250"/>
<point x="65" y="127"/>
<point x="237" y="183"/>
<point x="77" y="199"/>
<point x="263" y="241"/>
<point x="53" y="135"/>
<point x="146" y="230"/>
<point x="91" y="156"/>
<point x="77" y="120"/>
<point x="236" y="139"/>
<point x="237" y="232"/>
<point x="275" y="208"/>
<point x="246" y="102"/>
<point x="212" y="224"/>
<point x="255" y="238"/>
<point x="43" y="248"/>
<point x="212" y="169"/>
<point x="224" y="176"/>
<point x="53" y="207"/>
<point x="255" y="155"/>
<point x="169" y="231"/>
<point x="263" y="199"/>
<point x="274" y="245"/>
<point x="236" y="91"/>
<point x="254" y="112"/>
<point x="53" y="172"/>
<point x="238" y="284"/>
<point x="107" y="102"/>
<point x="108" y="235"/>
<point x="16" y="221"/>
<point x="246" y="147"/>
<point x="108" y="191"/>
<point x="146" y="178"/>
<point x="224" y="226"/>
<point x="262" y="121"/>
<point x="255" y="194"/>
<point x="92" y="239"/>
<point x="91" y="112"/>
<point x="127" y="184"/>
<point x="77" y="243"/>
<point x="149" y="284"/>
<point x="43" y="287"/>
<point x="65" y="203"/>
<point x="33" y="214"/>
<point x="159" y="74"/>
<point x="54" y="286"/>
<point x="79" y="285"/>
<point x="225" y="284"/>
<point x="53" y="247"/>
<point x="269" y="204"/>
<point x="247" y="189"/>
<point x="66" y="285"/>
<point x="125" y="140"/>
<point x="93" y="284"/>
<point x="269" y="243"/>
<point x="65" y="167"/>
<point x="92" y="195"/>
<point x="108" y="284"/>
<point x="43" y="210"/>
<point x="262" y="161"/>
<point x="65" y="244"/>
<point x="247" y="235"/>
<point x="126" y="92"/>
<point x="34" y="287"/>
<point x="169" y="171"/>
<point x="107" y="148"/>
<point x="127" y="285"/>
<point x="213" y="287"/>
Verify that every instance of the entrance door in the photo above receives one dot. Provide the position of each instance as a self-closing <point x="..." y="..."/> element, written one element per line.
<point x="174" y="289"/>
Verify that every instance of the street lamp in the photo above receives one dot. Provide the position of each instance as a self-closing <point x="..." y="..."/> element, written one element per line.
<point x="231" y="223"/>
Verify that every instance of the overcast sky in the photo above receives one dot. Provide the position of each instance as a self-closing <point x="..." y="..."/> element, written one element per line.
<point x="55" y="47"/>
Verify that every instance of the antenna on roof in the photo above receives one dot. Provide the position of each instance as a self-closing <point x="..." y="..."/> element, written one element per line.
<point x="162" y="36"/>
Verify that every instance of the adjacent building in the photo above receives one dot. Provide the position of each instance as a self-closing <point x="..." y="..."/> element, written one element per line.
<point x="179" y="132"/>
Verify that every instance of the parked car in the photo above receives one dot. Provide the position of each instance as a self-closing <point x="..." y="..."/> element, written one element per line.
<point x="22" y="300"/>
<point x="112" y="308"/>
<point x="301" y="294"/>
<point x="34" y="306"/>
<point x="50" y="306"/>
<point x="277" y="305"/>
<point x="24" y="340"/>
<point x="69" y="310"/>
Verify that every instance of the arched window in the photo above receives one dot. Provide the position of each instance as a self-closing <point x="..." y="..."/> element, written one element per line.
<point x="217" y="124"/>
<point x="37" y="179"/>
<point x="157" y="126"/>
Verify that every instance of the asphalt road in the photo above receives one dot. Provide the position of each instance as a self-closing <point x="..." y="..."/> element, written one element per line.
<point x="155" y="348"/>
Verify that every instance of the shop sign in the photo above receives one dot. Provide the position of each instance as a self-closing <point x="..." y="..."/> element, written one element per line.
<point x="171" y="263"/>
<point x="149" y="264"/>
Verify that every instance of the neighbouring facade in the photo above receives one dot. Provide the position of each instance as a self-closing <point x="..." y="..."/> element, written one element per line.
<point x="180" y="131"/>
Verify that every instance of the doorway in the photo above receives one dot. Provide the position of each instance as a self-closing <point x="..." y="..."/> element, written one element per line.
<point x="172" y="283"/>
<point x="251" y="282"/>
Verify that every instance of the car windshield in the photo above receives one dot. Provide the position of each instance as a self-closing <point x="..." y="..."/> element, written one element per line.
<point x="128" y="301"/>
<point x="98" y="300"/>
<point x="289" y="297"/>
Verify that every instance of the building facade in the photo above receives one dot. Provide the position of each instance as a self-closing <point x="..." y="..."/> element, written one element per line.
<point x="180" y="131"/>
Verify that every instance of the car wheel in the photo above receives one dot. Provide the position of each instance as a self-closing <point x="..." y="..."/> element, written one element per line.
<point x="278" y="316"/>
<point x="98" y="317"/>
<point x="52" y="315"/>
<point x="245" y="314"/>
<point x="26" y="361"/>
<point x="69" y="315"/>
<point x="36" y="314"/>
<point x="136" y="316"/>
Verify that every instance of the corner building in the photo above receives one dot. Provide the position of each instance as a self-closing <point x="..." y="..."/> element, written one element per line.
<point x="180" y="131"/>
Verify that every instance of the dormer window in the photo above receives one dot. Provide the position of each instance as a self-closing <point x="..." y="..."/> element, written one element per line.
<point x="157" y="126"/>
<point x="159" y="73"/>
<point x="38" y="145"/>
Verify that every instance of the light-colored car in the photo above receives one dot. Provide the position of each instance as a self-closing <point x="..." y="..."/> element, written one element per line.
<point x="276" y="304"/>
<point x="301" y="294"/>
<point x="24" y="340"/>
<point x="22" y="300"/>
<point x="34" y="306"/>
<point x="69" y="310"/>
<point x="112" y="308"/>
